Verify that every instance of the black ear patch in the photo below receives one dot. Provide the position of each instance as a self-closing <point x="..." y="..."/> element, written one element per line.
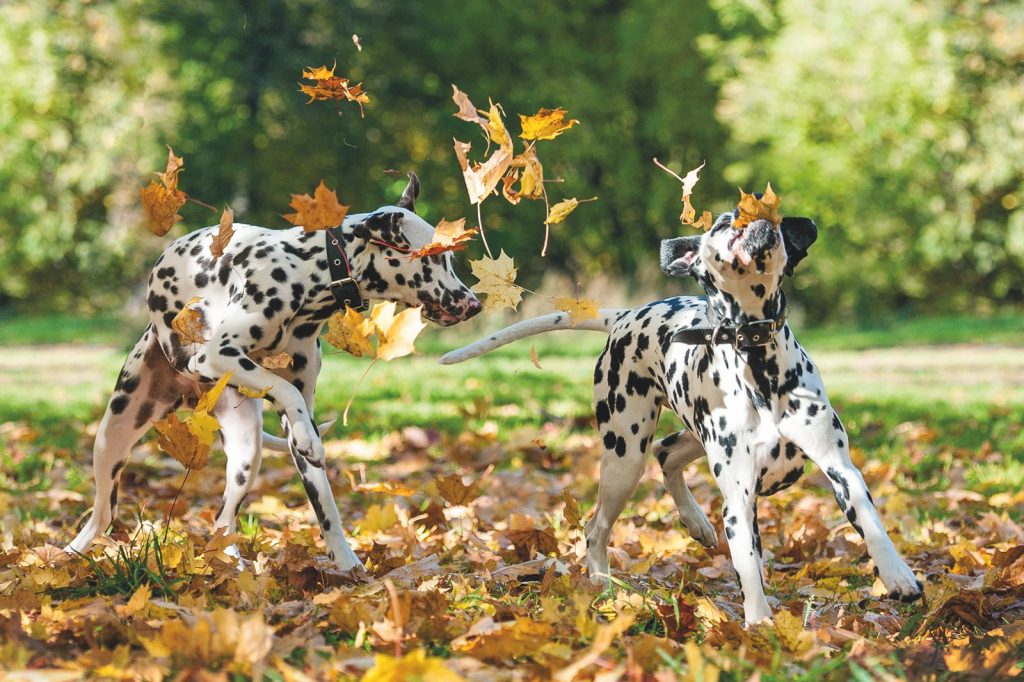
<point x="385" y="226"/>
<point x="797" y="234"/>
<point x="679" y="255"/>
<point x="412" y="190"/>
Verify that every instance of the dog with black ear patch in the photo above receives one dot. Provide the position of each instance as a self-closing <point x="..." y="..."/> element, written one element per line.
<point x="751" y="399"/>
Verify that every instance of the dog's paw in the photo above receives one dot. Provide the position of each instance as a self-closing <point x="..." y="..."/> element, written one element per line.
<point x="901" y="583"/>
<point x="700" y="528"/>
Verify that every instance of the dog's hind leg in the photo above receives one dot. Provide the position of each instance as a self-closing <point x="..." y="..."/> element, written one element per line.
<point x="146" y="390"/>
<point x="241" y="429"/>
<point x="674" y="453"/>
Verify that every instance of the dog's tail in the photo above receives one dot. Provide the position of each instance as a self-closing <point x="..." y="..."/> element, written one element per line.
<point x="277" y="444"/>
<point x="606" y="317"/>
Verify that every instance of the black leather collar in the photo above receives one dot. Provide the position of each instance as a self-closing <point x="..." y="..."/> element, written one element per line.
<point x="343" y="286"/>
<point x="749" y="335"/>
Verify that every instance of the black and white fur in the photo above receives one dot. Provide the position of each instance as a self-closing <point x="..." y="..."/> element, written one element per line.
<point x="758" y="413"/>
<point x="268" y="293"/>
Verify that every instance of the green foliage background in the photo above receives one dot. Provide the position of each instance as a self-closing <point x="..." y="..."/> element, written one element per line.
<point x="897" y="124"/>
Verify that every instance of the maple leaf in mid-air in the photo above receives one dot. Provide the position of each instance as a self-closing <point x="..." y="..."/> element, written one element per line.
<point x="689" y="214"/>
<point x="224" y="234"/>
<point x="497" y="281"/>
<point x="190" y="323"/>
<point x="527" y="170"/>
<point x="751" y="208"/>
<point x="546" y="124"/>
<point x="448" y="236"/>
<point x="160" y="202"/>
<point x="579" y="309"/>
<point x="482" y="178"/>
<point x="396" y="333"/>
<point x="331" y="87"/>
<point x="396" y="339"/>
<point x="189" y="440"/>
<point x="317" y="212"/>
<point x="350" y="332"/>
<point x="562" y="209"/>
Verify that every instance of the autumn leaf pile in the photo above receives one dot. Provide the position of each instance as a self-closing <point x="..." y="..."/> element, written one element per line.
<point x="473" y="546"/>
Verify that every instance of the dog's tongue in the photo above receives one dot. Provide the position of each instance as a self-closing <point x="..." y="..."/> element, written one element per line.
<point x="740" y="252"/>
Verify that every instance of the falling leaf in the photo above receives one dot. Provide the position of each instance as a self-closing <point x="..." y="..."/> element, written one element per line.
<point x="535" y="358"/>
<point x="355" y="41"/>
<point x="224" y="234"/>
<point x="572" y="508"/>
<point x="579" y="309"/>
<point x="277" y="361"/>
<point x="161" y="202"/>
<point x="448" y="236"/>
<point x="546" y="124"/>
<point x="190" y="323"/>
<point x="562" y="209"/>
<point x="482" y="179"/>
<point x="467" y="110"/>
<point x="396" y="339"/>
<point x="249" y="393"/>
<point x="689" y="214"/>
<point x="454" y="491"/>
<point x="497" y="281"/>
<point x="527" y="170"/>
<point x="178" y="441"/>
<point x="317" y="212"/>
<point x="350" y="332"/>
<point x="751" y="208"/>
<point x="415" y="665"/>
<point x="331" y="87"/>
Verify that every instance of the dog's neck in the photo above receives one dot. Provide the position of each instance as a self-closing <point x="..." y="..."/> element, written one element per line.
<point x="725" y="308"/>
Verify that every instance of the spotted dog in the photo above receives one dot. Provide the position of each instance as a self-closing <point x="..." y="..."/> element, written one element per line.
<point x="730" y="367"/>
<point x="270" y="292"/>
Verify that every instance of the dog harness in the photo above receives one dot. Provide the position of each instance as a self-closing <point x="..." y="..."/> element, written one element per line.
<point x="749" y="335"/>
<point x="343" y="285"/>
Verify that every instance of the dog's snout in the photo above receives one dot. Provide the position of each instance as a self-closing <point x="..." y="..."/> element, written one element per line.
<point x="473" y="307"/>
<point x="761" y="235"/>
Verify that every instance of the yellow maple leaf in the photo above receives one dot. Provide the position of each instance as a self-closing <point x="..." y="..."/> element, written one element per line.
<point x="415" y="665"/>
<point x="160" y="203"/>
<point x="224" y="234"/>
<point x="579" y="309"/>
<point x="277" y="361"/>
<point x="751" y="208"/>
<point x="331" y="87"/>
<point x="396" y="339"/>
<point x="190" y="323"/>
<point x="138" y="601"/>
<point x="488" y="640"/>
<point x="562" y="209"/>
<point x="546" y="124"/>
<point x="249" y="393"/>
<point x="792" y="635"/>
<point x="202" y="423"/>
<point x="527" y="170"/>
<point x="178" y="441"/>
<point x="498" y="281"/>
<point x="350" y="332"/>
<point x="448" y="236"/>
<point x="317" y="212"/>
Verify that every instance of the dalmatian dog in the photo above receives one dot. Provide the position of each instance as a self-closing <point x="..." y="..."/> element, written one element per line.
<point x="751" y="399"/>
<point x="270" y="292"/>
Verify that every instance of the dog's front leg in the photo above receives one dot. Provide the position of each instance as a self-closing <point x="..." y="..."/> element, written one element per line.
<point x="816" y="429"/>
<point x="241" y="430"/>
<point x="734" y="473"/>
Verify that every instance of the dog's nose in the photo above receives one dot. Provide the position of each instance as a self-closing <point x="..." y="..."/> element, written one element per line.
<point x="473" y="307"/>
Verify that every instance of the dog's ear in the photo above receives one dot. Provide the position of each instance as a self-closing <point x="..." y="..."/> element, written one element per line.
<point x="412" y="190"/>
<point x="679" y="255"/>
<point x="797" y="234"/>
<point x="384" y="226"/>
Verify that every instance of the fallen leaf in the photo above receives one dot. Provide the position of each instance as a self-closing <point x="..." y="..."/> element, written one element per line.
<point x="546" y="124"/>
<point x="448" y="236"/>
<point x="488" y="640"/>
<point x="562" y="209"/>
<point x="792" y="635"/>
<point x="415" y="665"/>
<point x="224" y="234"/>
<point x="317" y="212"/>
<point x="454" y="491"/>
<point x="572" y="509"/>
<point x="136" y="603"/>
<point x="497" y="281"/>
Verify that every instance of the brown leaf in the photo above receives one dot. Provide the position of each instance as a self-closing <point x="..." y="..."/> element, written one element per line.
<point x="224" y="234"/>
<point x="161" y="202"/>
<point x="277" y="361"/>
<point x="572" y="508"/>
<point x="331" y="87"/>
<point x="317" y="212"/>
<point x="448" y="236"/>
<point x="679" y="619"/>
<point x="190" y="323"/>
<point x="454" y="491"/>
<point x="751" y="208"/>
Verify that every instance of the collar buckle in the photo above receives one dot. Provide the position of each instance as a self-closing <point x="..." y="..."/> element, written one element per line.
<point x="346" y="293"/>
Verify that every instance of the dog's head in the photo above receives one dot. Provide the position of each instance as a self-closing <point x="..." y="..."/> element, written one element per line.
<point x="746" y="264"/>
<point x="382" y="241"/>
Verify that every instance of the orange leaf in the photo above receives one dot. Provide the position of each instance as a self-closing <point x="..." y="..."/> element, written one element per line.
<point x="277" y="361"/>
<point x="350" y="332"/>
<point x="751" y="208"/>
<point x="190" y="323"/>
<point x="178" y="441"/>
<point x="531" y="177"/>
<point x="161" y="203"/>
<point x="546" y="124"/>
<point x="227" y="230"/>
<point x="331" y="87"/>
<point x="317" y="212"/>
<point x="448" y="236"/>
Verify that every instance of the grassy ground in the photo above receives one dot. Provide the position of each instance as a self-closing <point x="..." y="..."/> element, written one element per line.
<point x="934" y="409"/>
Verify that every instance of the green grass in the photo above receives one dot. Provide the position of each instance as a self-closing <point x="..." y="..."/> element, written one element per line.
<point x="1007" y="328"/>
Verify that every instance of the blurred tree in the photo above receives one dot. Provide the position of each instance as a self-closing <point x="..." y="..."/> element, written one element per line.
<point x="80" y="105"/>
<point x="903" y="137"/>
